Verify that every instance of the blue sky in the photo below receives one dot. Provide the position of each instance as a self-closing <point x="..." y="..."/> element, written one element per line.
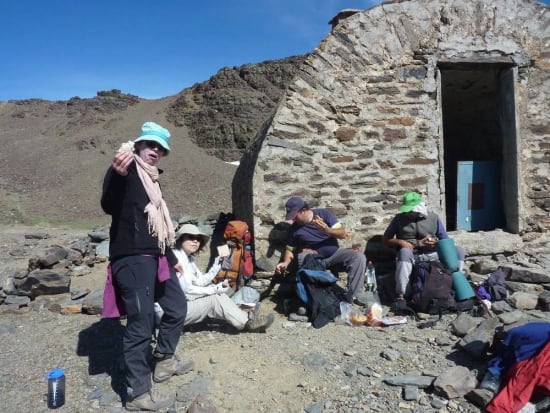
<point x="58" y="49"/>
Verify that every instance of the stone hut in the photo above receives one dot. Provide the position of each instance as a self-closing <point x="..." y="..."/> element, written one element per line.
<point x="445" y="97"/>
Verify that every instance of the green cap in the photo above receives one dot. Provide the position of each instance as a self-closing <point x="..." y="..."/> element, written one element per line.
<point x="410" y="200"/>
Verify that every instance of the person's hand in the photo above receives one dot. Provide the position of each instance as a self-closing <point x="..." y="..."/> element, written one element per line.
<point x="222" y="287"/>
<point x="281" y="267"/>
<point x="429" y="241"/>
<point x="121" y="162"/>
<point x="320" y="223"/>
<point x="179" y="268"/>
<point x="406" y="244"/>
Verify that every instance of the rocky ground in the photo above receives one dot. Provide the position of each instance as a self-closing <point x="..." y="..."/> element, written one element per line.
<point x="291" y="368"/>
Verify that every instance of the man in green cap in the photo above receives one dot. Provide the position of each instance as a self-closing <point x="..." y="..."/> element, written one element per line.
<point x="413" y="233"/>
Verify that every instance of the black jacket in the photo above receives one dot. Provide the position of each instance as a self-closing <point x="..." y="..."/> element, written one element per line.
<point x="124" y="198"/>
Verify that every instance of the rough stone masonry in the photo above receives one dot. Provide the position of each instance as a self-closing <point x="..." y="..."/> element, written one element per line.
<point x="362" y="121"/>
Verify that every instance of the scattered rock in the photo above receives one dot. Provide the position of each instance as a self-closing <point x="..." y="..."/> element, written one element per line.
<point x="463" y="324"/>
<point x="421" y="382"/>
<point x="202" y="405"/>
<point x="455" y="382"/>
<point x="478" y="341"/>
<point x="511" y="317"/>
<point x="523" y="301"/>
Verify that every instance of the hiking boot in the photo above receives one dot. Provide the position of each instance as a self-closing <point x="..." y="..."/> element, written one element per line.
<point x="172" y="366"/>
<point x="259" y="324"/>
<point x="298" y="317"/>
<point x="147" y="403"/>
<point x="256" y="312"/>
<point x="399" y="305"/>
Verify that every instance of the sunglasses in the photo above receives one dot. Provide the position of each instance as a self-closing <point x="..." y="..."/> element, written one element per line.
<point x="154" y="145"/>
<point x="193" y="237"/>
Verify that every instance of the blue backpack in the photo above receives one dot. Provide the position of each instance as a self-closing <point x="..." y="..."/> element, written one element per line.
<point x="317" y="277"/>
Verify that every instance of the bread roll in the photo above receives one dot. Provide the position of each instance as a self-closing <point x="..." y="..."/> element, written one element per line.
<point x="358" y="319"/>
<point x="126" y="147"/>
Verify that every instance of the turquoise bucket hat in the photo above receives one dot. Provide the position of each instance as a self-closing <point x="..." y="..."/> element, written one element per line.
<point x="151" y="131"/>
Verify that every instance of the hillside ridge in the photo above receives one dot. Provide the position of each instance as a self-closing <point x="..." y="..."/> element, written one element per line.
<point x="55" y="153"/>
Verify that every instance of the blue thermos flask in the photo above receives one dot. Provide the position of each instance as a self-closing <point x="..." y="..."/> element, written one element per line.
<point x="56" y="388"/>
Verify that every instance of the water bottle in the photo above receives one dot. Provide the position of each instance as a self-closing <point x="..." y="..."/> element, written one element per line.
<point x="56" y="388"/>
<point x="370" y="277"/>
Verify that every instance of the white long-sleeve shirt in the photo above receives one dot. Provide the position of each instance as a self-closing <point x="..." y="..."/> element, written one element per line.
<point x="193" y="282"/>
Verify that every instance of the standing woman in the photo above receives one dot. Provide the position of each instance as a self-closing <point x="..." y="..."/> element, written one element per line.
<point x="142" y="265"/>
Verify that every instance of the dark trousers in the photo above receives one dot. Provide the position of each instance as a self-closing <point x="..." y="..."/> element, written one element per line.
<point x="136" y="280"/>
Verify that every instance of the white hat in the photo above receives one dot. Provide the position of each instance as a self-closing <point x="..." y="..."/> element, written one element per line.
<point x="192" y="230"/>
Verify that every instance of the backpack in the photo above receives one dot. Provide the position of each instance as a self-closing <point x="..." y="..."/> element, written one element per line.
<point x="432" y="288"/>
<point x="496" y="286"/>
<point x="321" y="295"/>
<point x="321" y="278"/>
<point x="238" y="267"/>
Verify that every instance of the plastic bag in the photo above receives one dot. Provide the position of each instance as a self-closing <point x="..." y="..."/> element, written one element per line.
<point x="246" y="296"/>
<point x="354" y="317"/>
<point x="374" y="315"/>
<point x="351" y="315"/>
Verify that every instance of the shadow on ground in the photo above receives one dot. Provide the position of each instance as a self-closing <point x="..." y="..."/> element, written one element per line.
<point x="102" y="344"/>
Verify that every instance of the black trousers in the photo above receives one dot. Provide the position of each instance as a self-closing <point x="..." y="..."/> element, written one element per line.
<point x="135" y="278"/>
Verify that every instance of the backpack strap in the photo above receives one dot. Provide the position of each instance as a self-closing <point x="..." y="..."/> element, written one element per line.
<point x="401" y="306"/>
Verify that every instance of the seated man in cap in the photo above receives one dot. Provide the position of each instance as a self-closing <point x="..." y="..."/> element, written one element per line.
<point x="413" y="233"/>
<point x="318" y="231"/>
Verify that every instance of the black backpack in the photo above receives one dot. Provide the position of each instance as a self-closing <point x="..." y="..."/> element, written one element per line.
<point x="432" y="288"/>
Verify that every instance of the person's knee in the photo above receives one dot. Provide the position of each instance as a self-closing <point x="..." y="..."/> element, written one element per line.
<point x="405" y="255"/>
<point x="358" y="259"/>
<point x="176" y="312"/>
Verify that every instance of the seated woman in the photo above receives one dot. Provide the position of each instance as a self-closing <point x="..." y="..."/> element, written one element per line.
<point x="205" y="299"/>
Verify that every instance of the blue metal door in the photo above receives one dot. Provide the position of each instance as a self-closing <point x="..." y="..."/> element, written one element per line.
<point x="479" y="205"/>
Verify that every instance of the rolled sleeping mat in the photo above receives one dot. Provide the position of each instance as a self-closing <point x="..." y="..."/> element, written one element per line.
<point x="446" y="250"/>
<point x="462" y="288"/>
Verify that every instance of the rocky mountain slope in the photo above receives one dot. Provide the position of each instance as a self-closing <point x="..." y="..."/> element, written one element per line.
<point x="224" y="113"/>
<point x="55" y="153"/>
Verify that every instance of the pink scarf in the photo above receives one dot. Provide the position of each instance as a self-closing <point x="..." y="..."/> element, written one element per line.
<point x="158" y="216"/>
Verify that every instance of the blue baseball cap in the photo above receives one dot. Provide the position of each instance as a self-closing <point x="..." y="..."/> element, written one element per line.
<point x="292" y="206"/>
<point x="151" y="131"/>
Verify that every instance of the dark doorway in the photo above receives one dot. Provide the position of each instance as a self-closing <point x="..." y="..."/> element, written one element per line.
<point x="479" y="124"/>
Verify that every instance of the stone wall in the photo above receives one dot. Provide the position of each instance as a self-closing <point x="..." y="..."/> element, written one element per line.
<point x="361" y="123"/>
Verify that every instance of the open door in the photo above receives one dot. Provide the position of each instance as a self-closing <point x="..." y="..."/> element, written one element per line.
<point x="480" y="135"/>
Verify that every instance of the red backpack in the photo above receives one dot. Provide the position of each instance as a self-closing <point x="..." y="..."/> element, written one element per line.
<point x="238" y="267"/>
